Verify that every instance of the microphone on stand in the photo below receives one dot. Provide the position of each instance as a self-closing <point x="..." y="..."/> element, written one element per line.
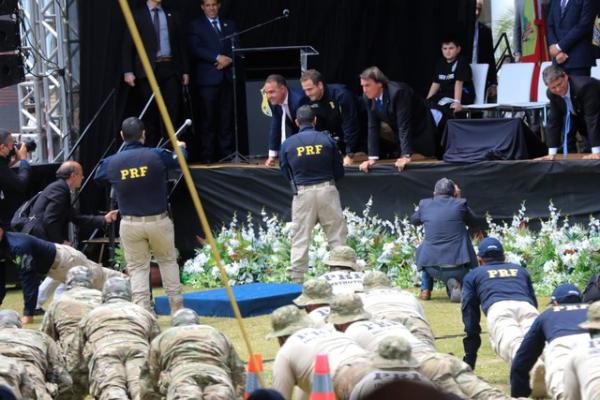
<point x="286" y="13"/>
<point x="183" y="127"/>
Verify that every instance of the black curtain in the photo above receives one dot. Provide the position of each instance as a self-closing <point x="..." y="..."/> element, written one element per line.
<point x="402" y="37"/>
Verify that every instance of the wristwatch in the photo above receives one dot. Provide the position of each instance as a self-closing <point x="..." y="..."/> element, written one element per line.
<point x="406" y="155"/>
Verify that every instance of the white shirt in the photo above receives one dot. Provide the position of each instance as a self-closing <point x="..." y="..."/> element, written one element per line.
<point x="285" y="113"/>
<point x="294" y="363"/>
<point x="344" y="281"/>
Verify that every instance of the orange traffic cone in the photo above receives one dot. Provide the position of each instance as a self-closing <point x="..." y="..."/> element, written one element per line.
<point x="322" y="385"/>
<point x="252" y="382"/>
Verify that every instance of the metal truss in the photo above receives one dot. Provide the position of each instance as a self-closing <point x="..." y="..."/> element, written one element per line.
<point x="49" y="97"/>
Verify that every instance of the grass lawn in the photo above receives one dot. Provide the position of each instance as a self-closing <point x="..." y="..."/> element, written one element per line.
<point x="443" y="316"/>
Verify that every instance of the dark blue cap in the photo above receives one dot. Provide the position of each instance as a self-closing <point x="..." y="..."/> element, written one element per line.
<point x="6" y="393"/>
<point x="566" y="293"/>
<point x="490" y="247"/>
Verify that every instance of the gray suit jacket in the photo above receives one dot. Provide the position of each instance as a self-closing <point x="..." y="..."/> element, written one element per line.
<point x="447" y="240"/>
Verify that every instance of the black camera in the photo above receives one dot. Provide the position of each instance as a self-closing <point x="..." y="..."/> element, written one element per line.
<point x="29" y="144"/>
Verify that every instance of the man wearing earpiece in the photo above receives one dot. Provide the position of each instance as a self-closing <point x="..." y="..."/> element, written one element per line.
<point x="52" y="212"/>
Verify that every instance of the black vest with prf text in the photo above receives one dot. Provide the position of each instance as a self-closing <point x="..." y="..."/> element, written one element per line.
<point x="138" y="175"/>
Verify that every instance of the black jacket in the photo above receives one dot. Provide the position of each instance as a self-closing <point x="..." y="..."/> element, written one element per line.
<point x="13" y="185"/>
<point x="177" y="39"/>
<point x="407" y="115"/>
<point x="53" y="213"/>
<point x="585" y="96"/>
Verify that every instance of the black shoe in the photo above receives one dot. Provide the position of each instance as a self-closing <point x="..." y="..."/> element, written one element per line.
<point x="39" y="311"/>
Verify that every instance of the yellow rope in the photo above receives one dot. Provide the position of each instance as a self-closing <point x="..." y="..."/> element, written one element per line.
<point x="186" y="174"/>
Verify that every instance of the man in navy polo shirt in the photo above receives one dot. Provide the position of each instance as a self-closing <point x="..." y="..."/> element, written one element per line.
<point x="506" y="296"/>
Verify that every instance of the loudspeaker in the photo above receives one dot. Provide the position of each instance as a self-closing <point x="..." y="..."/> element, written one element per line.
<point x="8" y="6"/>
<point x="9" y="35"/>
<point x="11" y="70"/>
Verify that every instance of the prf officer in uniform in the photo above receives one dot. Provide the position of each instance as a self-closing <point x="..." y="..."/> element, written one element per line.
<point x="312" y="161"/>
<point x="138" y="175"/>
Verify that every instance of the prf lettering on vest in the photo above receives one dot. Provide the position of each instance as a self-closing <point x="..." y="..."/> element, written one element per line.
<point x="502" y="273"/>
<point x="309" y="150"/>
<point x="133" y="173"/>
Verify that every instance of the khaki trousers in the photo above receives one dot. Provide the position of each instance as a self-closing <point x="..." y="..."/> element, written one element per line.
<point x="556" y="356"/>
<point x="68" y="257"/>
<point x="140" y="239"/>
<point x="508" y="321"/>
<point x="315" y="203"/>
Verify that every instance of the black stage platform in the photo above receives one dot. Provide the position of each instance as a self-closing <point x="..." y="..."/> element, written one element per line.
<point x="497" y="187"/>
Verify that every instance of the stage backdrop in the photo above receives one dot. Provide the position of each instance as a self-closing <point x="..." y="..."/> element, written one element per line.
<point x="494" y="187"/>
<point x="400" y="36"/>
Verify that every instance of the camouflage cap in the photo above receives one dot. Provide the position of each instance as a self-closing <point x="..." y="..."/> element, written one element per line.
<point x="394" y="352"/>
<point x="116" y="287"/>
<point x="346" y="307"/>
<point x="342" y="256"/>
<point x="315" y="291"/>
<point x="79" y="276"/>
<point x="593" y="319"/>
<point x="185" y="316"/>
<point x="375" y="279"/>
<point x="10" y="319"/>
<point x="287" y="320"/>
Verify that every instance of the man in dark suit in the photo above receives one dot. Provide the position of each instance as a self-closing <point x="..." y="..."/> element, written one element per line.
<point x="163" y="37"/>
<point x="335" y="107"/>
<point x="399" y="122"/>
<point x="570" y="27"/>
<point x="483" y="50"/>
<point x="213" y="77"/>
<point x="53" y="211"/>
<point x="283" y="102"/>
<point x="447" y="252"/>
<point x="574" y="107"/>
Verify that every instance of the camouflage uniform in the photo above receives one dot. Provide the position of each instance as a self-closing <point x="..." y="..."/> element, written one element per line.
<point x="295" y="360"/>
<point x="192" y="361"/>
<point x="385" y="302"/>
<point x="582" y="371"/>
<point x="38" y="353"/>
<point x="316" y="292"/>
<point x="447" y="372"/>
<point x="344" y="276"/>
<point x="358" y="377"/>
<point x="61" y="321"/>
<point x="14" y="375"/>
<point x="113" y="343"/>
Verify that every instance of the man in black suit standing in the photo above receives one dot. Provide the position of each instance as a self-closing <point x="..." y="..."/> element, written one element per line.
<point x="399" y="122"/>
<point x="483" y="50"/>
<point x="446" y="253"/>
<point x="570" y="28"/>
<point x="163" y="37"/>
<point x="213" y="77"/>
<point x="53" y="210"/>
<point x="574" y="107"/>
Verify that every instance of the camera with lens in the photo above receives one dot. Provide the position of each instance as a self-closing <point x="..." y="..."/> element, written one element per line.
<point x="29" y="144"/>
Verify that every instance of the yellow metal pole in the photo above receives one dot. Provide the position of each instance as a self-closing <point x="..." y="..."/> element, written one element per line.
<point x="186" y="174"/>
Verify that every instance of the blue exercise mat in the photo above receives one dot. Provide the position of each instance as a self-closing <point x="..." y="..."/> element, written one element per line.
<point x="253" y="299"/>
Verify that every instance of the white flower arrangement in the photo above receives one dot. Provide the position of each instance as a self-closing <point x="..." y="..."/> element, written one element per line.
<point x="557" y="252"/>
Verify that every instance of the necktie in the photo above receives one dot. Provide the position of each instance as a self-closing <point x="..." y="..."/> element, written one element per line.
<point x="285" y="112"/>
<point x="379" y="105"/>
<point x="563" y="5"/>
<point x="156" y="23"/>
<point x="216" y="25"/>
<point x="567" y="128"/>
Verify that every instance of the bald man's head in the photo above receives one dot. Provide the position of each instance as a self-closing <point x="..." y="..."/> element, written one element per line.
<point x="72" y="173"/>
